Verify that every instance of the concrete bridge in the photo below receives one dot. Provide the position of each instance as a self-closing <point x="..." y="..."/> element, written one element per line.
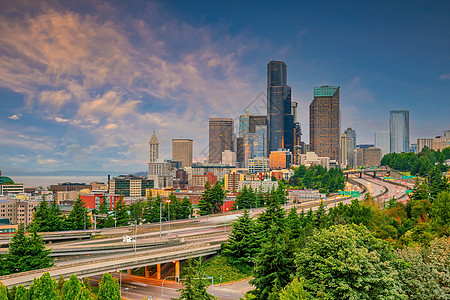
<point x="98" y="267"/>
<point x="372" y="172"/>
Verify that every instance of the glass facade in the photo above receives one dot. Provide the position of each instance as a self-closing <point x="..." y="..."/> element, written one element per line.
<point x="383" y="141"/>
<point x="399" y="131"/>
<point x="255" y="144"/>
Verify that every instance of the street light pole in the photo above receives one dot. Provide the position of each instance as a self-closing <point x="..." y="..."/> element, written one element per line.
<point x="168" y="209"/>
<point x="135" y="236"/>
<point x="160" y="218"/>
<point x="120" y="283"/>
<point x="162" y="286"/>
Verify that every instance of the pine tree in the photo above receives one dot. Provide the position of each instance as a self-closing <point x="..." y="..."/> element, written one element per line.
<point x="56" y="221"/>
<point x="27" y="252"/>
<point x="61" y="282"/>
<point x="84" y="294"/>
<point x="71" y="288"/>
<point x="47" y="218"/>
<point x="108" y="288"/>
<point x="152" y="210"/>
<point x="205" y="204"/>
<point x="78" y="218"/>
<point x="44" y="288"/>
<point x="12" y="293"/>
<point x="194" y="288"/>
<point x="123" y="218"/>
<point x="242" y="245"/>
<point x="21" y="293"/>
<point x="3" y="291"/>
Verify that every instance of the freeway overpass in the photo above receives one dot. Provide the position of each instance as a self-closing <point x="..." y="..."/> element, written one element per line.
<point x="101" y="266"/>
<point x="365" y="171"/>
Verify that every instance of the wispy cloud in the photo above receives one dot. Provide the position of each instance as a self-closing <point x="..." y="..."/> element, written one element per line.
<point x="90" y="72"/>
<point x="15" y="117"/>
<point x="444" y="76"/>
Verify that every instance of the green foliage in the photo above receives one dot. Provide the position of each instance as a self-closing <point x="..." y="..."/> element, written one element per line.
<point x="12" y="293"/>
<point x="26" y="253"/>
<point x="104" y="209"/>
<point x="122" y="216"/>
<point x="440" y="210"/>
<point x="71" y="288"/>
<point x="295" y="291"/>
<point x="425" y="273"/>
<point x="78" y="218"/>
<point x="211" y="200"/>
<point x="84" y="294"/>
<point x="43" y="288"/>
<point x="242" y="245"/>
<point x="61" y="282"/>
<point x="3" y="291"/>
<point x="274" y="265"/>
<point x="194" y="288"/>
<point x="108" y="288"/>
<point x="21" y="293"/>
<point x="179" y="209"/>
<point x="137" y="211"/>
<point x="47" y="218"/>
<point x="246" y="198"/>
<point x="418" y="164"/>
<point x="317" y="177"/>
<point x="350" y="264"/>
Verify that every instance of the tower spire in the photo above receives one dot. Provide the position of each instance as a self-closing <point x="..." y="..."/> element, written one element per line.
<point x="154" y="148"/>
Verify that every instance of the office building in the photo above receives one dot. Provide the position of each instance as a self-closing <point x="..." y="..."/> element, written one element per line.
<point x="257" y="185"/>
<point x="258" y="165"/>
<point x="255" y="143"/>
<point x="280" y="119"/>
<point x="312" y="159"/>
<point x="351" y="135"/>
<point x="240" y="157"/>
<point x="399" y="131"/>
<point x="412" y="149"/>
<point x="129" y="186"/>
<point x="422" y="143"/>
<point x="231" y="181"/>
<point x="324" y="122"/>
<point x="299" y="146"/>
<point x="383" y="142"/>
<point x="182" y="150"/>
<point x="440" y="143"/>
<point x="343" y="160"/>
<point x="281" y="159"/>
<point x="221" y="132"/>
<point x="229" y="158"/>
<point x="18" y="210"/>
<point x="368" y="157"/>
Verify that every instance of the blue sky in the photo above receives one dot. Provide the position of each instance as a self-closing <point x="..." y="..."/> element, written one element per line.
<point x="84" y="83"/>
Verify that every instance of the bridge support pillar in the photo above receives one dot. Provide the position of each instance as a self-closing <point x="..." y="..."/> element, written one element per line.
<point x="129" y="271"/>
<point x="177" y="270"/>
<point x="147" y="272"/>
<point x="158" y="271"/>
<point x="360" y="174"/>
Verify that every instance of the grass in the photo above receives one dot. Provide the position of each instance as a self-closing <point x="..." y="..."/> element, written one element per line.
<point x="223" y="271"/>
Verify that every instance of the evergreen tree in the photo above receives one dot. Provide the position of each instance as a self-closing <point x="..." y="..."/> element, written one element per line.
<point x="152" y="210"/>
<point x="274" y="265"/>
<point x="123" y="218"/>
<point x="56" y="221"/>
<point x="103" y="209"/>
<point x="27" y="252"/>
<point x="71" y="288"/>
<point x="84" y="294"/>
<point x="44" y="288"/>
<point x="3" y="292"/>
<point x="245" y="198"/>
<point x="108" y="288"/>
<point x="137" y="211"/>
<point x="21" y="293"/>
<point x="61" y="282"/>
<point x="12" y="293"/>
<point x="194" y="288"/>
<point x="78" y="218"/>
<point x="440" y="210"/>
<point x="41" y="217"/>
<point x="295" y="291"/>
<point x="242" y="245"/>
<point x="212" y="199"/>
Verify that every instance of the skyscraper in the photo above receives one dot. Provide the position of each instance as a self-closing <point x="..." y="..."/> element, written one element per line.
<point x="154" y="148"/>
<point x="324" y="122"/>
<point x="279" y="108"/>
<point x="399" y="130"/>
<point x="383" y="141"/>
<point x="220" y="138"/>
<point x="351" y="134"/>
<point x="182" y="151"/>
<point x="255" y="143"/>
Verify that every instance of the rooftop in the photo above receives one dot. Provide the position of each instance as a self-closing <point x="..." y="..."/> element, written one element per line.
<point x="325" y="91"/>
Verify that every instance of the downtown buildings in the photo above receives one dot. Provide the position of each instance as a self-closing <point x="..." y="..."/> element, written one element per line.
<point x="399" y="131"/>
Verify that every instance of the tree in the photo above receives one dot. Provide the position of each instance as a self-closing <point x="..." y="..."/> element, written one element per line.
<point x="44" y="288"/>
<point x="295" y="291"/>
<point x="84" y="294"/>
<point x="3" y="291"/>
<point x="347" y="262"/>
<point x="104" y="209"/>
<point x="21" y="293"/>
<point x="27" y="252"/>
<point x="274" y="265"/>
<point x="122" y="216"/>
<point x="211" y="200"/>
<point x="152" y="209"/>
<point x="425" y="273"/>
<point x="61" y="282"/>
<point x="108" y="288"/>
<point x="137" y="211"/>
<point x="440" y="210"/>
<point x="242" y="245"/>
<point x="194" y="286"/>
<point x="71" y="288"/>
<point x="78" y="218"/>
<point x="12" y="293"/>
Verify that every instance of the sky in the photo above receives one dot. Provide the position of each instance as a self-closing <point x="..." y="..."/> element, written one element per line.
<point x="84" y="83"/>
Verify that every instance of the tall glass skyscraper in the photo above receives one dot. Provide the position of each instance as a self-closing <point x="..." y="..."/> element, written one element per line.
<point x="399" y="130"/>
<point x="279" y="108"/>
<point x="255" y="144"/>
<point x="351" y="134"/>
<point x="383" y="141"/>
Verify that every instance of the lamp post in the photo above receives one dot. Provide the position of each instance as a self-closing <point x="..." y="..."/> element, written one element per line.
<point x="120" y="282"/>
<point x="168" y="210"/>
<point x="135" y="236"/>
<point x="162" y="286"/>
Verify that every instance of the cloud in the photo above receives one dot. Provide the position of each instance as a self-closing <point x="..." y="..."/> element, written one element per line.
<point x="444" y="76"/>
<point x="15" y="117"/>
<point x="61" y="120"/>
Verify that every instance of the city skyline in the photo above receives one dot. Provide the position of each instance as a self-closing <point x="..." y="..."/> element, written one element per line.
<point x="84" y="86"/>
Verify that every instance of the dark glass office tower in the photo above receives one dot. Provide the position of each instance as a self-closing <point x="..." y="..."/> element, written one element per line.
<point x="399" y="130"/>
<point x="279" y="114"/>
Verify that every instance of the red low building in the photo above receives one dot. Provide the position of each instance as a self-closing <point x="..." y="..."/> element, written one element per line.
<point x="93" y="200"/>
